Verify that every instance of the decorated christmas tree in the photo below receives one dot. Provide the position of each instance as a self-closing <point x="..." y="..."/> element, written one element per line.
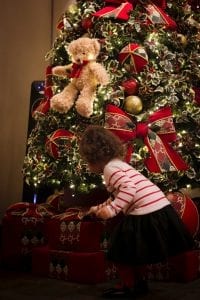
<point x="151" y="53"/>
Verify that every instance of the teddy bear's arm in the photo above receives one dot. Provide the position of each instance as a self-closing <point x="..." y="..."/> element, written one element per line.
<point x="62" y="70"/>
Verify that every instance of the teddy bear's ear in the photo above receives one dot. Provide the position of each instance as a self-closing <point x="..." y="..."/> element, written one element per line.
<point x="70" y="47"/>
<point x="96" y="45"/>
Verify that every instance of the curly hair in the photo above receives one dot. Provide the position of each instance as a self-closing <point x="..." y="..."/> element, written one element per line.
<point x="98" y="144"/>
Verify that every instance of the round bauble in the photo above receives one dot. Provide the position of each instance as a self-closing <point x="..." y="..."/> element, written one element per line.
<point x="130" y="86"/>
<point x="133" y="105"/>
<point x="186" y="209"/>
<point x="58" y="143"/>
<point x="133" y="57"/>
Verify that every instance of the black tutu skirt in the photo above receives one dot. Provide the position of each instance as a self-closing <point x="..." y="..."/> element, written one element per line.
<point x="150" y="238"/>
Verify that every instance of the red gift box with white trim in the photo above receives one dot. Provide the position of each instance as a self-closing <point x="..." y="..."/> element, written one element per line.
<point x="23" y="228"/>
<point x="184" y="267"/>
<point x="73" y="234"/>
<point x="82" y="267"/>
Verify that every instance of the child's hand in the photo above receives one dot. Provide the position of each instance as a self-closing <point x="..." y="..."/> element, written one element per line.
<point x="87" y="215"/>
<point x="103" y="213"/>
<point x="92" y="210"/>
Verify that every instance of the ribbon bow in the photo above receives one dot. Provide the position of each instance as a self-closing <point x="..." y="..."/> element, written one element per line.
<point x="157" y="133"/>
<point x="77" y="68"/>
<point x="125" y="6"/>
<point x="120" y="9"/>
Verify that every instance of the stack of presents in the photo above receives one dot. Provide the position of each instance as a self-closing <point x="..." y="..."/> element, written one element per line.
<point x="51" y="240"/>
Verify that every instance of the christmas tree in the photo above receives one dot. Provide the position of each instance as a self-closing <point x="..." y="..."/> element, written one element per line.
<point x="151" y="51"/>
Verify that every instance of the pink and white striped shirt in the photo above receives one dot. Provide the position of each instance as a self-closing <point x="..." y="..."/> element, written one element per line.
<point x="134" y="193"/>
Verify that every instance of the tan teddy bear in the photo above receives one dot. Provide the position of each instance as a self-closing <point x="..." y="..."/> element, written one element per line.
<point x="86" y="74"/>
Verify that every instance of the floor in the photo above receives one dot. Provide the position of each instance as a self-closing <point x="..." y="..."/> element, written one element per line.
<point x="24" y="286"/>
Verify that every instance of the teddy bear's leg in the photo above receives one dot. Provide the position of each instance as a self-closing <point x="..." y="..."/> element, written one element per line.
<point x="62" y="102"/>
<point x="84" y="103"/>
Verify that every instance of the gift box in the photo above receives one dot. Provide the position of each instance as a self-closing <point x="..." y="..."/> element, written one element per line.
<point x="23" y="228"/>
<point x="68" y="232"/>
<point x="184" y="267"/>
<point x="187" y="209"/>
<point x="82" y="267"/>
<point x="40" y="261"/>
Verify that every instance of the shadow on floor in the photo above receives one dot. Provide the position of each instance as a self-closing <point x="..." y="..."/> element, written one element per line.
<point x="24" y="286"/>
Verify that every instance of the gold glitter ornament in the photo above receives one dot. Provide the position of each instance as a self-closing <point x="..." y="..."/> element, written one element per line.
<point x="133" y="105"/>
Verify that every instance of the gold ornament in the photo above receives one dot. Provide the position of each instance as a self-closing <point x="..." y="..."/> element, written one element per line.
<point x="182" y="39"/>
<point x="133" y="105"/>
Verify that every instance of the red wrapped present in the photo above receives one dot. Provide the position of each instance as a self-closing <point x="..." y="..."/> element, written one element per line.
<point x="159" y="272"/>
<point x="82" y="267"/>
<point x="68" y="231"/>
<point x="40" y="261"/>
<point x="184" y="267"/>
<point x="23" y="228"/>
<point x="186" y="209"/>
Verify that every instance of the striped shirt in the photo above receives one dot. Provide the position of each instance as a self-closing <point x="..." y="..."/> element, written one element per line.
<point x="134" y="194"/>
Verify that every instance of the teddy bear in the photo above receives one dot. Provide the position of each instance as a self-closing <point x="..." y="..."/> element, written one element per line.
<point x="86" y="75"/>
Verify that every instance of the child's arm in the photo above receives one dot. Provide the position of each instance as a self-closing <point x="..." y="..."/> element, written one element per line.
<point x="95" y="209"/>
<point x="103" y="213"/>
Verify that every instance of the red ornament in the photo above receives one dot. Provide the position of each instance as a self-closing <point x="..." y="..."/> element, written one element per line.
<point x="130" y="86"/>
<point x="186" y="209"/>
<point x="133" y="57"/>
<point x="58" y="142"/>
<point x="87" y="23"/>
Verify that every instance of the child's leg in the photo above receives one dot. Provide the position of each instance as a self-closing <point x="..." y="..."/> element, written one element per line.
<point x="140" y="273"/>
<point x="123" y="288"/>
<point x="129" y="283"/>
<point x="126" y="275"/>
<point x="141" y="284"/>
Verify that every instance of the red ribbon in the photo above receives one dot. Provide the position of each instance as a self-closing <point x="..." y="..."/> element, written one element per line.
<point x="120" y="12"/>
<point x="160" y="3"/>
<point x="120" y="9"/>
<point x="157" y="133"/>
<point x="77" y="68"/>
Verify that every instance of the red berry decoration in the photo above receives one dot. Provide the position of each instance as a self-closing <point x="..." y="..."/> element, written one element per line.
<point x="133" y="57"/>
<point x="130" y="86"/>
